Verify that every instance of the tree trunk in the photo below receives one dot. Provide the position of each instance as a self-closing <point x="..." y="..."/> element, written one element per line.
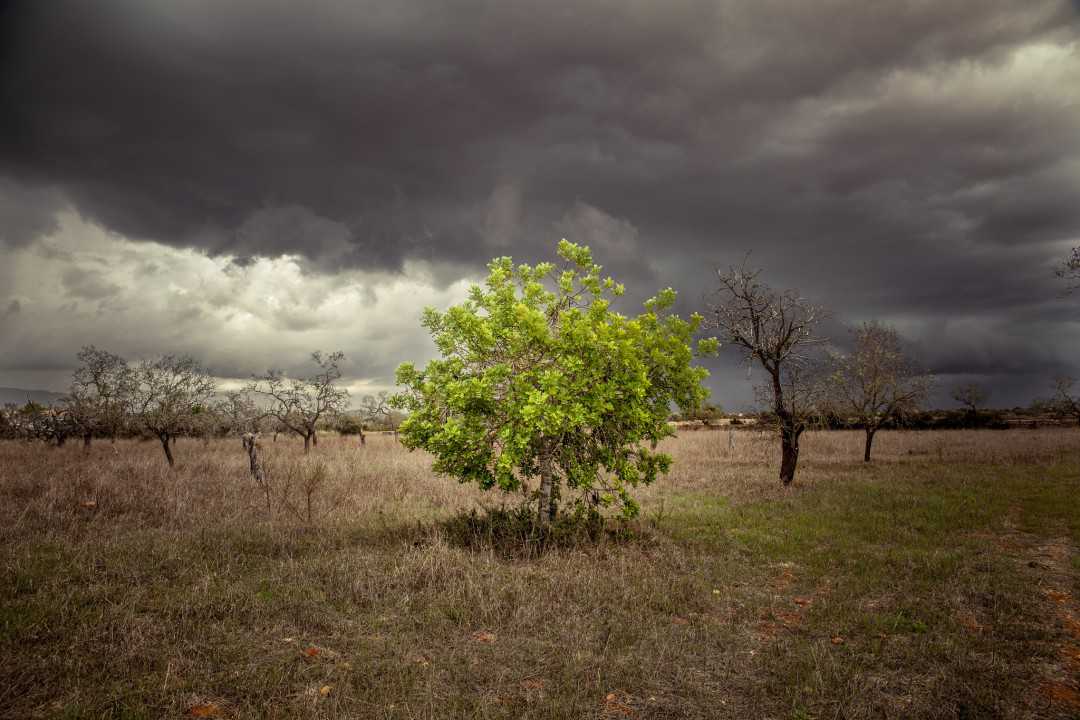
<point x="60" y="440"/>
<point x="315" y="438"/>
<point x="86" y="440"/>
<point x="789" y="458"/>
<point x="363" y="440"/>
<point x="869" y="441"/>
<point x="544" y="506"/>
<point x="168" y="450"/>
<point x="251" y="445"/>
<point x="789" y="434"/>
<point x="307" y="443"/>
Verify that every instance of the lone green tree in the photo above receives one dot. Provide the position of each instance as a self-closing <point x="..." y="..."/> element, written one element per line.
<point x="539" y="379"/>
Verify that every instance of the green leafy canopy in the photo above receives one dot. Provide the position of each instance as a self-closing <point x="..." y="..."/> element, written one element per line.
<point x="534" y="362"/>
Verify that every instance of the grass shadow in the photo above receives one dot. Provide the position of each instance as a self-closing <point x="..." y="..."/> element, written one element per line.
<point x="514" y="533"/>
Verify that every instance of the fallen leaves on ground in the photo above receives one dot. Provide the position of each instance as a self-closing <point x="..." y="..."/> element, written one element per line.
<point x="1060" y="694"/>
<point x="837" y="640"/>
<point x="784" y="579"/>
<point x="206" y="710"/>
<point x="1057" y="596"/>
<point x="484" y="636"/>
<point x="325" y="690"/>
<point x="971" y="624"/>
<point x="614" y="706"/>
<point x="310" y="652"/>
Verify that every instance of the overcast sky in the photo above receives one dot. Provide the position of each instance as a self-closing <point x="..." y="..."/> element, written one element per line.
<point x="250" y="181"/>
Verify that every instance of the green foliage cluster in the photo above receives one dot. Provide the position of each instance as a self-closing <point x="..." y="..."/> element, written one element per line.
<point x="539" y="377"/>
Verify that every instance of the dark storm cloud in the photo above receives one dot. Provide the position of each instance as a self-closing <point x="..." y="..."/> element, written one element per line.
<point x="28" y="212"/>
<point x="918" y="161"/>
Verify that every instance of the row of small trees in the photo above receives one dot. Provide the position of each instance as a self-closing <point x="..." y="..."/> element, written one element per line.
<point x="173" y="396"/>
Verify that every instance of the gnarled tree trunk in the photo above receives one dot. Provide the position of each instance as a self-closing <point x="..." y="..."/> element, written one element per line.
<point x="251" y="445"/>
<point x="166" y="446"/>
<point x="545" y="509"/>
<point x="869" y="441"/>
<point x="789" y="453"/>
<point x="789" y="432"/>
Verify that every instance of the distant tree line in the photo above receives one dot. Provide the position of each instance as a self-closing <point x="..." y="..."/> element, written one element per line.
<point x="174" y="396"/>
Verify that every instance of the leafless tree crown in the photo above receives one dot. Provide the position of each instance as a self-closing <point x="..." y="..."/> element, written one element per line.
<point x="878" y="380"/>
<point x="771" y="326"/>
<point x="970" y="395"/>
<point x="298" y="404"/>
<point x="1069" y="270"/>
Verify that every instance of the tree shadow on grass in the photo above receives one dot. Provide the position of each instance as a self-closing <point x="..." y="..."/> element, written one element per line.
<point x="514" y="533"/>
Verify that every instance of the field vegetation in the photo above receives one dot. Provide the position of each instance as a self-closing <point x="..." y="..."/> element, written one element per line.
<point x="939" y="581"/>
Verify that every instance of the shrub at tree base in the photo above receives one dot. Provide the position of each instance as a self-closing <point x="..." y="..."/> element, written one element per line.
<point x="540" y="379"/>
<point x="511" y="531"/>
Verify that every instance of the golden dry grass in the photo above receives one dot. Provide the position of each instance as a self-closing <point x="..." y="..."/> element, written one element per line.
<point x="913" y="587"/>
<point x="382" y="481"/>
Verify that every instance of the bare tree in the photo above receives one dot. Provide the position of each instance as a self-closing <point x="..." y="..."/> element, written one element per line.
<point x="877" y="382"/>
<point x="46" y="423"/>
<point x="1066" y="398"/>
<point x="971" y="395"/>
<point x="84" y="412"/>
<point x="101" y="393"/>
<point x="237" y="414"/>
<point x="373" y="408"/>
<point x="168" y="393"/>
<point x="10" y="425"/>
<point x="776" y="329"/>
<point x="299" y="404"/>
<point x="1069" y="270"/>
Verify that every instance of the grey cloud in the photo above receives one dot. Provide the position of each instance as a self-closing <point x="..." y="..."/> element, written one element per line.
<point x="85" y="284"/>
<point x="890" y="159"/>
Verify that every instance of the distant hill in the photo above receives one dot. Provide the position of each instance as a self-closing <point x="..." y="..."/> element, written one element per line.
<point x="19" y="396"/>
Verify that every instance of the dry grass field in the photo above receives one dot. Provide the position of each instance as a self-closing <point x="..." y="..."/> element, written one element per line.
<point x="940" y="581"/>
